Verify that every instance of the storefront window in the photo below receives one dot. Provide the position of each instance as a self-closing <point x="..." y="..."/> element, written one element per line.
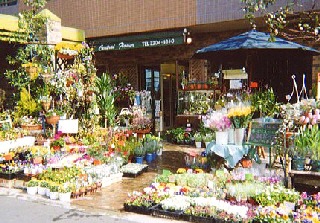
<point x="152" y="77"/>
<point x="4" y="3"/>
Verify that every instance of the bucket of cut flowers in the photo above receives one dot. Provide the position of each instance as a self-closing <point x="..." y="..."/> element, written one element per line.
<point x="218" y="121"/>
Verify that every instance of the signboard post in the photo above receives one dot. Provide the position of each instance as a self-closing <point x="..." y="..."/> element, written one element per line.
<point x="263" y="133"/>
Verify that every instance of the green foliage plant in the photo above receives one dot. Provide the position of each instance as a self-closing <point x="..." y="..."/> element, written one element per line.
<point x="197" y="137"/>
<point x="139" y="151"/>
<point x="105" y="99"/>
<point x="27" y="106"/>
<point x="307" y="143"/>
<point x="33" y="183"/>
<point x="265" y="102"/>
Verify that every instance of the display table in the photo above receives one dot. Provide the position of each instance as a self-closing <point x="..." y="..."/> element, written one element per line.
<point x="310" y="178"/>
<point x="231" y="153"/>
<point x="5" y="146"/>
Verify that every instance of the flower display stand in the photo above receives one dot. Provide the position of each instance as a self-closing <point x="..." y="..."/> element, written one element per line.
<point x="141" y="132"/>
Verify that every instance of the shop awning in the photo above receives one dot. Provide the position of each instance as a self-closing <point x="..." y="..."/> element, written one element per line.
<point x="8" y="23"/>
<point x="72" y="34"/>
<point x="9" y="27"/>
<point x="49" y="15"/>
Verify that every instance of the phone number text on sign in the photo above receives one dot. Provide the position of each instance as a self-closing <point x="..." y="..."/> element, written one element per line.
<point x="158" y="42"/>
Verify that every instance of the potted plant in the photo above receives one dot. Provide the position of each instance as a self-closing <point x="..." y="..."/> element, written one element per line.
<point x="304" y="144"/>
<point x="219" y="122"/>
<point x="65" y="192"/>
<point x="32" y="186"/>
<point x="43" y="186"/>
<point x="53" y="116"/>
<point x="54" y="191"/>
<point x="198" y="139"/>
<point x="57" y="144"/>
<point x="207" y="138"/>
<point x="139" y="153"/>
<point x="265" y="103"/>
<point x="240" y="117"/>
<point x="149" y="149"/>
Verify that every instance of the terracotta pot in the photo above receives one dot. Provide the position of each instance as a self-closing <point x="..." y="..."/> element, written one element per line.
<point x="31" y="127"/>
<point x="191" y="86"/>
<point x="97" y="162"/>
<point x="246" y="163"/>
<point x="64" y="56"/>
<point x="52" y="120"/>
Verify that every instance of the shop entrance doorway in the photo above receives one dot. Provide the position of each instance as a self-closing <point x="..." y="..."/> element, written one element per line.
<point x="168" y="100"/>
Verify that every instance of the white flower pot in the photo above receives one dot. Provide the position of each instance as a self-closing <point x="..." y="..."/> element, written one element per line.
<point x="42" y="191"/>
<point x="65" y="196"/>
<point x="231" y="136"/>
<point x="54" y="195"/>
<point x="47" y="192"/>
<point x="32" y="190"/>
<point x="239" y="135"/>
<point x="222" y="137"/>
<point x="198" y="144"/>
<point x="206" y="143"/>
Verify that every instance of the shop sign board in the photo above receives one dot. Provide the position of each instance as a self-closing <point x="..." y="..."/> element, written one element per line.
<point x="235" y="74"/>
<point x="139" y="41"/>
<point x="262" y="133"/>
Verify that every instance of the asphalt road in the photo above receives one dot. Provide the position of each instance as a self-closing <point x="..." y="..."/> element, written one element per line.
<point x="20" y="208"/>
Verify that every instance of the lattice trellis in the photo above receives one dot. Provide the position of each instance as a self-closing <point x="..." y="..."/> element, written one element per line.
<point x="131" y="71"/>
<point x="198" y="70"/>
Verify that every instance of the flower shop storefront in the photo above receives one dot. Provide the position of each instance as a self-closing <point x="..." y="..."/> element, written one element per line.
<point x="66" y="139"/>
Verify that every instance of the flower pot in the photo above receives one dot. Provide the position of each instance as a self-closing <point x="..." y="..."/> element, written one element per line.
<point x="297" y="163"/>
<point x="206" y="144"/>
<point x="246" y="163"/>
<point x="231" y="136"/>
<point x="139" y="159"/>
<point x="198" y="144"/>
<point x="54" y="195"/>
<point x="154" y="156"/>
<point x="97" y="162"/>
<point x="65" y="56"/>
<point x="48" y="192"/>
<point x="149" y="157"/>
<point x="239" y="136"/>
<point x="65" y="196"/>
<point x="42" y="191"/>
<point x="32" y="127"/>
<point x="32" y="190"/>
<point x="52" y="120"/>
<point x="222" y="137"/>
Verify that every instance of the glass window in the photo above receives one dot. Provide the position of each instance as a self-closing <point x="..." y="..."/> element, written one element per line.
<point x="4" y="3"/>
<point x="148" y="79"/>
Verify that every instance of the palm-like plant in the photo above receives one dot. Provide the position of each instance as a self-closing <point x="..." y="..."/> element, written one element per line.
<point x="105" y="98"/>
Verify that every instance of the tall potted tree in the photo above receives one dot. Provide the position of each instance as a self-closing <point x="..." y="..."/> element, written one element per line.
<point x="105" y="99"/>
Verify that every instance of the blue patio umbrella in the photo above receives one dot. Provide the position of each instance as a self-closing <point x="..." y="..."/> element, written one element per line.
<point x="272" y="62"/>
<point x="253" y="40"/>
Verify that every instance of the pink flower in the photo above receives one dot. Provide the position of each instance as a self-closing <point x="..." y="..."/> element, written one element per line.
<point x="217" y="121"/>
